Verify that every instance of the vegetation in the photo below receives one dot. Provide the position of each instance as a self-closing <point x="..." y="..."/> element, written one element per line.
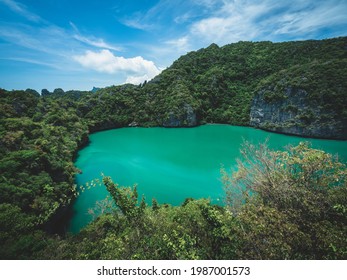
<point x="293" y="206"/>
<point x="289" y="204"/>
<point x="299" y="199"/>
<point x="218" y="84"/>
<point x="39" y="138"/>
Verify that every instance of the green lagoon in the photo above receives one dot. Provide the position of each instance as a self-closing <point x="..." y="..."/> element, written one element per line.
<point x="171" y="164"/>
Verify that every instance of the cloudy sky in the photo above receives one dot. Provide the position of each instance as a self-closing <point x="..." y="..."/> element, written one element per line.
<point x="78" y="44"/>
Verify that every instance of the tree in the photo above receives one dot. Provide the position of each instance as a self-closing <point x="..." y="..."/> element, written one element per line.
<point x="32" y="91"/>
<point x="126" y="199"/>
<point x="58" y="91"/>
<point x="45" y="92"/>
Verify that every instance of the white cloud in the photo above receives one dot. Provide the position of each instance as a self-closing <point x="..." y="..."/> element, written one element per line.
<point x="136" y="68"/>
<point x="183" y="18"/>
<point x="267" y="20"/>
<point x="308" y="21"/>
<point x="181" y="44"/>
<point x="47" y="39"/>
<point x="99" y="43"/>
<point x="167" y="11"/>
<point x="20" y="9"/>
<point x="137" y="23"/>
<point x="91" y="40"/>
<point x="234" y="21"/>
<point x="136" y="80"/>
<point x="33" y="61"/>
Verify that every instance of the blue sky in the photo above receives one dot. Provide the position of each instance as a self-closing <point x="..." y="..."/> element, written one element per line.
<point x="75" y="44"/>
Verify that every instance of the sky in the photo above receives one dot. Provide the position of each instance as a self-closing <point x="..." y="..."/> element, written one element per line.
<point x="81" y="44"/>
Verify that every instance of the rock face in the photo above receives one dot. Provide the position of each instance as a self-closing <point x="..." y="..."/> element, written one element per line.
<point x="292" y="112"/>
<point x="185" y="118"/>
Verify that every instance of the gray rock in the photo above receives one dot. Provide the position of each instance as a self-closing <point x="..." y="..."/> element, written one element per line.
<point x="292" y="112"/>
<point x="185" y="118"/>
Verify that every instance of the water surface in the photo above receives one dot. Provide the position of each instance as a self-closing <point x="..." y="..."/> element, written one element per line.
<point x="171" y="164"/>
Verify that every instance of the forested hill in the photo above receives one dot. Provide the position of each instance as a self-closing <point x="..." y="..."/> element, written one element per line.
<point x="292" y="87"/>
<point x="220" y="85"/>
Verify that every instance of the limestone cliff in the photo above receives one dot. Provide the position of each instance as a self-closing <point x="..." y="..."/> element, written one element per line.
<point x="178" y="119"/>
<point x="292" y="112"/>
<point x="303" y="100"/>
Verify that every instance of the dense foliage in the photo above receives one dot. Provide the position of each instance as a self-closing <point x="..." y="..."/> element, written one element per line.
<point x="219" y="83"/>
<point x="295" y="208"/>
<point x="39" y="138"/>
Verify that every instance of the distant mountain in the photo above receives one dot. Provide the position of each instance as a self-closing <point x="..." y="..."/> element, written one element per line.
<point x="95" y="89"/>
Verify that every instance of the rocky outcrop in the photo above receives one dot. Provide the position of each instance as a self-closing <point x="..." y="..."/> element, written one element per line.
<point x="291" y="111"/>
<point x="185" y="118"/>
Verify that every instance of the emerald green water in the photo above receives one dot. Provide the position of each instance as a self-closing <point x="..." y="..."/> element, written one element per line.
<point x="170" y="164"/>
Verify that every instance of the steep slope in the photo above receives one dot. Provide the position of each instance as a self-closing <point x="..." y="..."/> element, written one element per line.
<point x="221" y="84"/>
<point x="308" y="99"/>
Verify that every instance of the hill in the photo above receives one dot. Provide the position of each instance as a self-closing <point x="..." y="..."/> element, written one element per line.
<point x="291" y="87"/>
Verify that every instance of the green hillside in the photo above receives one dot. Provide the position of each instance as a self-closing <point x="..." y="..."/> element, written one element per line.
<point x="218" y="85"/>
